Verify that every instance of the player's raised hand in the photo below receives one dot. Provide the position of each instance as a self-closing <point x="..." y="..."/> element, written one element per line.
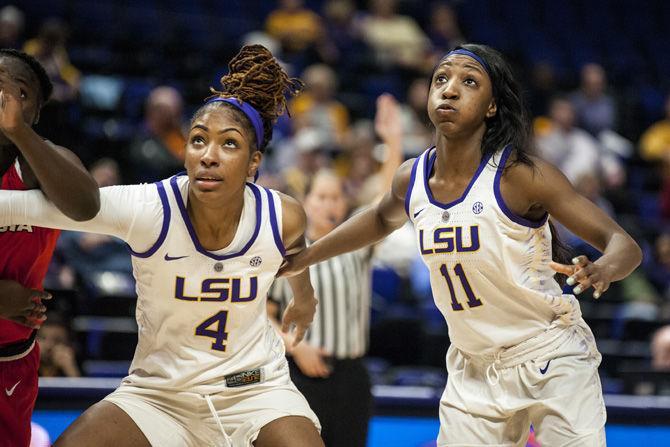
<point x="23" y="305"/>
<point x="388" y="123"/>
<point x="300" y="314"/>
<point x="586" y="273"/>
<point x="11" y="109"/>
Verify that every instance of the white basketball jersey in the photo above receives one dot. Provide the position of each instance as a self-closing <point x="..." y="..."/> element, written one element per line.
<point x="202" y="315"/>
<point x="489" y="268"/>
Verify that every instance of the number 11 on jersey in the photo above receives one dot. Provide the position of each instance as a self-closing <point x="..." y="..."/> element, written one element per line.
<point x="473" y="301"/>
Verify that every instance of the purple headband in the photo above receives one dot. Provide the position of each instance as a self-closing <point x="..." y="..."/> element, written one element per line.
<point x="249" y="111"/>
<point x="471" y="55"/>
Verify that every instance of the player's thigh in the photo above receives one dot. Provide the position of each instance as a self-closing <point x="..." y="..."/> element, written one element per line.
<point x="103" y="425"/>
<point x="459" y="428"/>
<point x="289" y="431"/>
<point x="563" y="417"/>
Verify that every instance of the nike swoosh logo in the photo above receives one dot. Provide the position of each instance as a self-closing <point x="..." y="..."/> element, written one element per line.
<point x="174" y="258"/>
<point x="546" y="367"/>
<point x="418" y="212"/>
<point x="10" y="391"/>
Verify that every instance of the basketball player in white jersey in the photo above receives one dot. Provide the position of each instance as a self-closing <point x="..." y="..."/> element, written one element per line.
<point x="209" y="369"/>
<point x="520" y="352"/>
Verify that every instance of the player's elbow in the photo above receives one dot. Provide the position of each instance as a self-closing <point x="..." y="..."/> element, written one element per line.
<point x="635" y="252"/>
<point x="86" y="208"/>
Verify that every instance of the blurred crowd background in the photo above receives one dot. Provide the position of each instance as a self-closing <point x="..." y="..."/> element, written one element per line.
<point x="596" y="77"/>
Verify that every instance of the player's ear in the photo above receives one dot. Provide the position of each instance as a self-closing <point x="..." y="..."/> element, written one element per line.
<point x="37" y="116"/>
<point x="254" y="163"/>
<point x="493" y="109"/>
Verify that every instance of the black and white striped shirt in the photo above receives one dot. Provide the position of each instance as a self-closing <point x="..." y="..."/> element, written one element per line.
<point x="342" y="286"/>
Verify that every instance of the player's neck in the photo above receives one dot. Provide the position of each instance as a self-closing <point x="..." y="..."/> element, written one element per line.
<point x="457" y="156"/>
<point x="216" y="224"/>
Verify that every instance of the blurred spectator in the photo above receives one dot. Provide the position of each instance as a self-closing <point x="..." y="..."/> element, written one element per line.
<point x="658" y="267"/>
<point x="542" y="87"/>
<point x="49" y="47"/>
<point x="106" y="172"/>
<point x="443" y="29"/>
<point x="158" y="152"/>
<point x="317" y="107"/>
<point x="343" y="32"/>
<point x="358" y="163"/>
<point x="309" y="150"/>
<point x="417" y="128"/>
<point x="595" y="109"/>
<point x="574" y="151"/>
<point x="57" y="355"/>
<point x="396" y="39"/>
<point x="296" y="27"/>
<point x="655" y="141"/>
<point x="11" y="27"/>
<point x="660" y="349"/>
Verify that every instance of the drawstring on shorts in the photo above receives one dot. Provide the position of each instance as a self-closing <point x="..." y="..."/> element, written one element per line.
<point x="227" y="441"/>
<point x="492" y="371"/>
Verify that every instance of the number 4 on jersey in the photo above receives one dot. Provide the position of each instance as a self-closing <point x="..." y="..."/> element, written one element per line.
<point x="473" y="301"/>
<point x="218" y="333"/>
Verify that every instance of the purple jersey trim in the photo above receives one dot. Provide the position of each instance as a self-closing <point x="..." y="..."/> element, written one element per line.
<point x="166" y="224"/>
<point x="428" y="168"/>
<point x="274" y="223"/>
<point x="194" y="236"/>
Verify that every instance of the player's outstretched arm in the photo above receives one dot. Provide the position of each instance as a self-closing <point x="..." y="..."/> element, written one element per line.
<point x="58" y="171"/>
<point x="365" y="228"/>
<point x="546" y="187"/>
<point x="301" y="309"/>
<point x="130" y="212"/>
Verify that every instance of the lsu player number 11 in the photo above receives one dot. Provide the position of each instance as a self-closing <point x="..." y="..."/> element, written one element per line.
<point x="209" y="368"/>
<point x="480" y="204"/>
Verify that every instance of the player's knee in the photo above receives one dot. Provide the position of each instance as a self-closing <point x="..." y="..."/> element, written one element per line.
<point x="289" y="431"/>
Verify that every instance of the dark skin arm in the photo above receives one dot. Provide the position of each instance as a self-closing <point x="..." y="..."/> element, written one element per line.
<point x="530" y="192"/>
<point x="300" y="311"/>
<point x="363" y="229"/>
<point x="55" y="170"/>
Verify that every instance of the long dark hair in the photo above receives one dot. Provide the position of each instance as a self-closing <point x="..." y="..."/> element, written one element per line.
<point x="511" y="125"/>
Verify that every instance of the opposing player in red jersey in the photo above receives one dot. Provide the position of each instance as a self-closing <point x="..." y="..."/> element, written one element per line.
<point x="27" y="161"/>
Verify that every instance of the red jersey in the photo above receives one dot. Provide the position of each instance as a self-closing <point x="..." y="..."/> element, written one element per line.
<point x="25" y="253"/>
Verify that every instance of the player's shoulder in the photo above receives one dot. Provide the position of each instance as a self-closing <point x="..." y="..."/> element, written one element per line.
<point x="528" y="169"/>
<point x="403" y="178"/>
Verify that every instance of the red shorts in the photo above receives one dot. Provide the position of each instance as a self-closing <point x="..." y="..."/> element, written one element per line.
<point x="18" y="392"/>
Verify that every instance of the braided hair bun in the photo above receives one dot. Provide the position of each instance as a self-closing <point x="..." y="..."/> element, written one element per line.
<point x="256" y="78"/>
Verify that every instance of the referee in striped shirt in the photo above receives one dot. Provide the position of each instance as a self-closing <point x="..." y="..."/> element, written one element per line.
<point x="327" y="367"/>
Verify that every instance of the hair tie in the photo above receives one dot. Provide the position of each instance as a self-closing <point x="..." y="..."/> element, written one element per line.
<point x="470" y="54"/>
<point x="249" y="111"/>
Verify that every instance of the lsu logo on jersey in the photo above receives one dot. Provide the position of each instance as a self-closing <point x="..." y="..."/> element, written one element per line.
<point x="218" y="289"/>
<point x="449" y="240"/>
